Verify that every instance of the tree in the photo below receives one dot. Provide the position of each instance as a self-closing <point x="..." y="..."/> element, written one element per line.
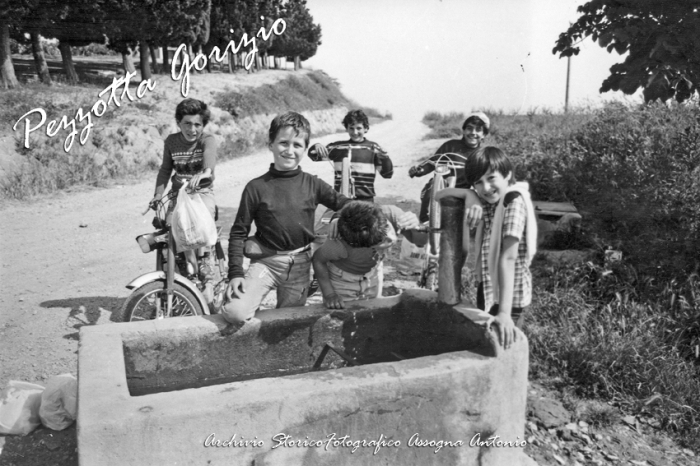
<point x="38" y="17"/>
<point x="11" y="13"/>
<point x="164" y="22"/>
<point x="7" y="69"/>
<point x="74" y="24"/>
<point x="301" y="38"/>
<point x="42" y="68"/>
<point x="661" y="38"/>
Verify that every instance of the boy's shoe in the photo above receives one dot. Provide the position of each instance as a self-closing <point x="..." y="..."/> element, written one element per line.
<point x="313" y="288"/>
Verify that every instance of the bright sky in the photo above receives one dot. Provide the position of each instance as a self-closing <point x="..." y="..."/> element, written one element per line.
<point x="411" y="56"/>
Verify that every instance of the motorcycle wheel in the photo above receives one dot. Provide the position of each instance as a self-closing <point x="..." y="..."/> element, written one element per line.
<point x="141" y="304"/>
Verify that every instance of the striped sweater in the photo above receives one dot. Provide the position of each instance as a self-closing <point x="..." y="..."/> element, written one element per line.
<point x="186" y="159"/>
<point x="366" y="158"/>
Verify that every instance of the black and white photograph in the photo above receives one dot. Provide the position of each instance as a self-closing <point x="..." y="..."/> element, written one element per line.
<point x="327" y="232"/>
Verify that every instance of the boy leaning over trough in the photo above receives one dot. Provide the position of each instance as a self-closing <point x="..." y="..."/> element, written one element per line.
<point x="349" y="264"/>
<point x="282" y="203"/>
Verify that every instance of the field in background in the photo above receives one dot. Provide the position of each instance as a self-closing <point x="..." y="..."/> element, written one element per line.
<point x="629" y="331"/>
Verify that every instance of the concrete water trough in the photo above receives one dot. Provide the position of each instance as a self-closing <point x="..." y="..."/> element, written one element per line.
<point x="403" y="380"/>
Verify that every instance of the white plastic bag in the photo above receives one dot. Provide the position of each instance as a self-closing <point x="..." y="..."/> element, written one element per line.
<point x="59" y="402"/>
<point x="192" y="225"/>
<point x="19" y="407"/>
<point x="411" y="258"/>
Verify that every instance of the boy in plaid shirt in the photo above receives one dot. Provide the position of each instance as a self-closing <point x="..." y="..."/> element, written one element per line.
<point x="506" y="238"/>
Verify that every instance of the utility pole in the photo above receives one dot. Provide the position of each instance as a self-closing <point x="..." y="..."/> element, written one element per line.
<point x="568" y="74"/>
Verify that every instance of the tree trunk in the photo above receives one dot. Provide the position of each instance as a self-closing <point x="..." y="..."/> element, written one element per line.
<point x="42" y="69"/>
<point x="231" y="61"/>
<point x="297" y="63"/>
<point x="154" y="58"/>
<point x="67" y="59"/>
<point x="7" y="69"/>
<point x="166" y="58"/>
<point x="278" y="62"/>
<point x="241" y="59"/>
<point x="143" y="61"/>
<point x="258" y="63"/>
<point x="128" y="61"/>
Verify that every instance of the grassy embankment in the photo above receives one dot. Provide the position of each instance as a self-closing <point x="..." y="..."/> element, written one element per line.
<point x="126" y="142"/>
<point x="629" y="332"/>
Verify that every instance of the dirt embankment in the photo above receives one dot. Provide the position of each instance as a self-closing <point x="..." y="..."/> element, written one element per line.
<point x="122" y="132"/>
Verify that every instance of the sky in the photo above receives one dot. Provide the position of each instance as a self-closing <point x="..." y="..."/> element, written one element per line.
<point x="412" y="56"/>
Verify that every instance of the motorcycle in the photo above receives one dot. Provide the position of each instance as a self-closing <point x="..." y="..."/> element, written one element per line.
<point x="173" y="289"/>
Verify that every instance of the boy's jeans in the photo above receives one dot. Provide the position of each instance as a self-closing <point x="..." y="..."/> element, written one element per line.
<point x="290" y="274"/>
<point x="351" y="286"/>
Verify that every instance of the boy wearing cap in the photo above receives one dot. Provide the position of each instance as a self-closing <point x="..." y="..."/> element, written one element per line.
<point x="457" y="151"/>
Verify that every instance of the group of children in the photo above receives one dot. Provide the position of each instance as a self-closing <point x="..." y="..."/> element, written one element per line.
<point x="348" y="266"/>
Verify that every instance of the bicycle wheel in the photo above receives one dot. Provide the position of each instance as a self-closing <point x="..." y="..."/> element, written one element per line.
<point x="143" y="303"/>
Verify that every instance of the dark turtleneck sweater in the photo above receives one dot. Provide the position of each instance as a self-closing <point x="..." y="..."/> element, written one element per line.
<point x="283" y="206"/>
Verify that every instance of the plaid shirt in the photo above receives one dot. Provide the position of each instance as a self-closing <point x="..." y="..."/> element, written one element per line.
<point x="514" y="222"/>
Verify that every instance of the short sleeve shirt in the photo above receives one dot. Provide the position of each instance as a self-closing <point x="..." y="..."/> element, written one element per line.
<point x="514" y="224"/>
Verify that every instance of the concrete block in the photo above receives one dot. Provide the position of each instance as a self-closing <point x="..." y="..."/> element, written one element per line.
<point x="430" y="387"/>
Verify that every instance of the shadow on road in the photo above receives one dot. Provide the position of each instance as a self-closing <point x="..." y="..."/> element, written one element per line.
<point x="87" y="310"/>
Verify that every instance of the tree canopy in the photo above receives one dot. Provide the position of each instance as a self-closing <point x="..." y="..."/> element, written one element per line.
<point x="661" y="39"/>
<point x="302" y="37"/>
<point x="124" y="24"/>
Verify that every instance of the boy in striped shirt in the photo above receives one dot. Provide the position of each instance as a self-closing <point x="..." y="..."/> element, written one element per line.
<point x="366" y="157"/>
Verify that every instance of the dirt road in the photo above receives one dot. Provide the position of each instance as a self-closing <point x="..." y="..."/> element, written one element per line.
<point x="66" y="258"/>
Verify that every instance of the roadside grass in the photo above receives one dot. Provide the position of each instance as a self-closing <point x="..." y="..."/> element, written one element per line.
<point x="627" y="331"/>
<point x="297" y="93"/>
<point x="313" y="91"/>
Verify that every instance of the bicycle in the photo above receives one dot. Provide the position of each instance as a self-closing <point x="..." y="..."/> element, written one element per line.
<point x="173" y="289"/>
<point x="444" y="176"/>
<point x="347" y="186"/>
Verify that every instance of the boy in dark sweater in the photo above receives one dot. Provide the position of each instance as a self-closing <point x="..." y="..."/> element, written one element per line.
<point x="282" y="203"/>
<point x="366" y="157"/>
<point x="455" y="154"/>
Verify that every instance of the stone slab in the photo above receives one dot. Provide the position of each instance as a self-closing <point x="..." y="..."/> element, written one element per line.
<point x="455" y="396"/>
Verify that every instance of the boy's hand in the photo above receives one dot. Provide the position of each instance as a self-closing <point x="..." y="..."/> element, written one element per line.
<point x="196" y="179"/>
<point x="333" y="301"/>
<point x="506" y="330"/>
<point x="321" y="150"/>
<point x="235" y="288"/>
<point x="414" y="171"/>
<point x="154" y="202"/>
<point x="408" y="221"/>
<point x="472" y="215"/>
